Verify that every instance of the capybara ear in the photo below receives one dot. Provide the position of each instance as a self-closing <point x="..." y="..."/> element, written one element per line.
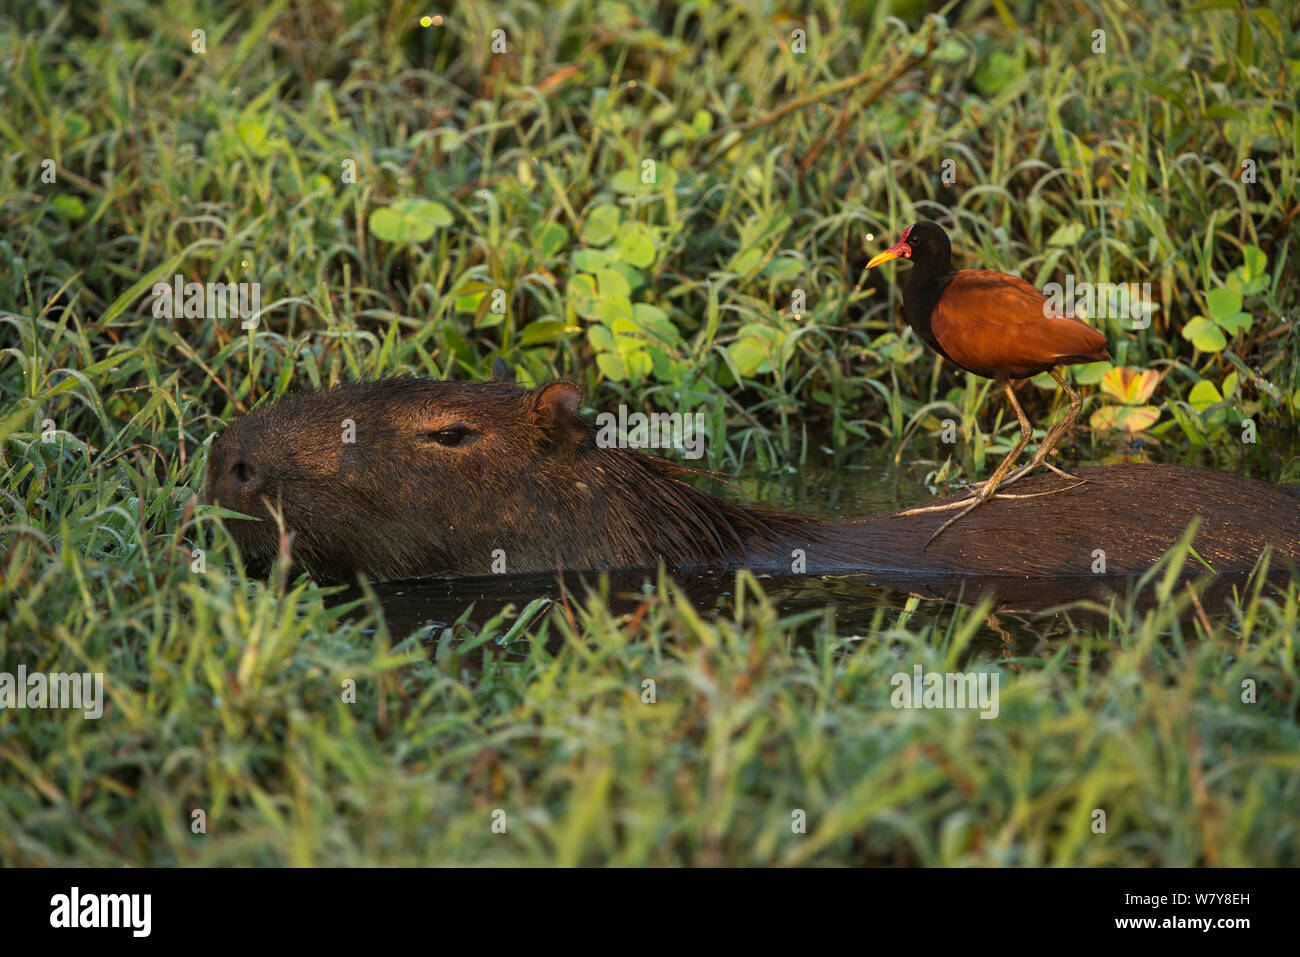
<point x="554" y="407"/>
<point x="502" y="372"/>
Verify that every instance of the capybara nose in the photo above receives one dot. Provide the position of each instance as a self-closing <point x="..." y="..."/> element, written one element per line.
<point x="244" y="477"/>
<point x="235" y="480"/>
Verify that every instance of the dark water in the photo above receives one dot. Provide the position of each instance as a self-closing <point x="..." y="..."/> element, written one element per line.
<point x="865" y="483"/>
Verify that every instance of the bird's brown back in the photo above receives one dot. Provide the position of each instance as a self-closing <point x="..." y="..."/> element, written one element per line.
<point x="997" y="325"/>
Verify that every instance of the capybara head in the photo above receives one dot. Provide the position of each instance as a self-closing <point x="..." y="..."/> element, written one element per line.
<point x="406" y="477"/>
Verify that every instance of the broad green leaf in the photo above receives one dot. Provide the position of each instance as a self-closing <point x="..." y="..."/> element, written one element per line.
<point x="543" y="331"/>
<point x="616" y="312"/>
<point x="601" y="225"/>
<point x="612" y="284"/>
<point x="76" y="125"/>
<point x="648" y="315"/>
<point x="489" y="319"/>
<point x="550" y="237"/>
<point x="636" y="247"/>
<point x="658" y="326"/>
<point x="582" y="295"/>
<point x="469" y="302"/>
<point x="1223" y="303"/>
<point x="671" y="137"/>
<point x="995" y="71"/>
<point x="634" y="278"/>
<point x="628" y="334"/>
<point x="1203" y="395"/>
<point x="1255" y="263"/>
<point x="68" y="206"/>
<point x="748" y="354"/>
<point x="591" y="260"/>
<point x="744" y="261"/>
<point x="1089" y="373"/>
<point x="1253" y="287"/>
<point x="666" y="367"/>
<point x="601" y="339"/>
<point x="1230" y="385"/>
<point x="1204" y="335"/>
<point x="626" y="181"/>
<point x="783" y="268"/>
<point x="1236" y="323"/>
<point x="639" y="365"/>
<point x="612" y="366"/>
<point x="409" y="220"/>
<point x="1066" y="235"/>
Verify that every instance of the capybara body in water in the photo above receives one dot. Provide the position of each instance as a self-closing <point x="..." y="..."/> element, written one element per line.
<point x="407" y="478"/>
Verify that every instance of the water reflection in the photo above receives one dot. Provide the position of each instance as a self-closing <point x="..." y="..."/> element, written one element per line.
<point x="1024" y="610"/>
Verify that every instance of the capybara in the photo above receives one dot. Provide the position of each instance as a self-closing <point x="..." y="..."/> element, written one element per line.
<point x="407" y="478"/>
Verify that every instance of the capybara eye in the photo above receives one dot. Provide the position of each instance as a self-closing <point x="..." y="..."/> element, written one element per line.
<point x="448" y="437"/>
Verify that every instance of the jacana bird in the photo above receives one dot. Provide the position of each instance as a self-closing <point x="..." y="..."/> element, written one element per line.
<point x="994" y="325"/>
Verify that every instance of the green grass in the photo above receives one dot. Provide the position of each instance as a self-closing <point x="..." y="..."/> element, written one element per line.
<point x="226" y="694"/>
<point x="230" y="700"/>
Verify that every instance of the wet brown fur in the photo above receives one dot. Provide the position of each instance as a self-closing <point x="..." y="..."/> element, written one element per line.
<point x="529" y="484"/>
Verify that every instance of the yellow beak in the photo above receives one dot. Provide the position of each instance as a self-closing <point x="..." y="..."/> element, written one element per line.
<point x="900" y="248"/>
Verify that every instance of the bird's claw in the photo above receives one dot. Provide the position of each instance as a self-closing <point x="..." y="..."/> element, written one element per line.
<point x="980" y="500"/>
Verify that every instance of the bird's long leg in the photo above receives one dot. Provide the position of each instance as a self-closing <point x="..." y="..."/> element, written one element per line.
<point x="960" y="503"/>
<point x="1024" y="470"/>
<point x="1049" y="441"/>
<point x="990" y="487"/>
<point x="1026" y="431"/>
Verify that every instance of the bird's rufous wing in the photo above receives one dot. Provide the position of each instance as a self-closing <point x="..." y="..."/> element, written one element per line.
<point x="993" y="324"/>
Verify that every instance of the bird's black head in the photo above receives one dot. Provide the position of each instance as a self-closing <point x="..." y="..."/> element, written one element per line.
<point x="925" y="244"/>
